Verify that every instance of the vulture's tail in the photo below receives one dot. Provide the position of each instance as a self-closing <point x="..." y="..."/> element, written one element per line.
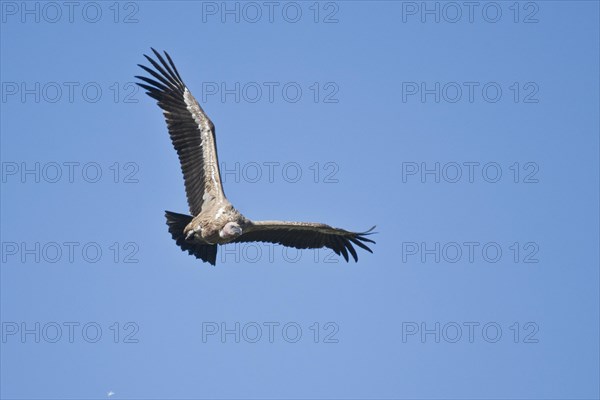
<point x="177" y="223"/>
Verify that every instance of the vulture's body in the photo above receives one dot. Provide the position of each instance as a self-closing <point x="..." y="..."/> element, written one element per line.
<point x="214" y="221"/>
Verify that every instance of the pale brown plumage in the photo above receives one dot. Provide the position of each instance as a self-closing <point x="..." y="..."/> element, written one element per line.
<point x="214" y="220"/>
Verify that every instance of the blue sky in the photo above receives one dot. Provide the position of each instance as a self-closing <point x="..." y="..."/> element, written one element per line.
<point x="467" y="134"/>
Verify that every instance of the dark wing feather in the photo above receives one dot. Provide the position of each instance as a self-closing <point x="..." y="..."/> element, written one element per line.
<point x="190" y="129"/>
<point x="307" y="235"/>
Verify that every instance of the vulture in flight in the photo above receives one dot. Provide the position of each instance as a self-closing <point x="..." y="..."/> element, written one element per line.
<point x="213" y="219"/>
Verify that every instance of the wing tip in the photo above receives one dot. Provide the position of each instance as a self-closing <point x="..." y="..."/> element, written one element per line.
<point x="167" y="70"/>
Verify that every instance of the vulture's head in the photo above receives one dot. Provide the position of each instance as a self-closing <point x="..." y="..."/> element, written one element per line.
<point x="231" y="230"/>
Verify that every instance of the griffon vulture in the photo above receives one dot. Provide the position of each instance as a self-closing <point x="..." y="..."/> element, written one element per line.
<point x="214" y="220"/>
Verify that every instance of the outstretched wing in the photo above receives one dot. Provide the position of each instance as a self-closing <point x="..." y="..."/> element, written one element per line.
<point x="307" y="235"/>
<point x="191" y="131"/>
